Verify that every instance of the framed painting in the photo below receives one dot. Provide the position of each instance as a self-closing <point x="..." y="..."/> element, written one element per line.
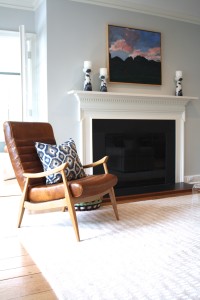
<point x="134" y="55"/>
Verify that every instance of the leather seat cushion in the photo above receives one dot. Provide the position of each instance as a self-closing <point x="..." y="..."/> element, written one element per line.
<point x="83" y="187"/>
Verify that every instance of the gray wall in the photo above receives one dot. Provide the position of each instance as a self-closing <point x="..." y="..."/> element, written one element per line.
<point x="74" y="32"/>
<point x="10" y="19"/>
<point x="78" y="32"/>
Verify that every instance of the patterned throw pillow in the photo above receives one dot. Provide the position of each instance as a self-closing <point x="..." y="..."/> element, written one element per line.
<point x="52" y="156"/>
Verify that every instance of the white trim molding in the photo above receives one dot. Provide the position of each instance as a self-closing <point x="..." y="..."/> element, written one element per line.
<point x="21" y="4"/>
<point x="99" y="105"/>
<point x="192" y="179"/>
<point x="186" y="12"/>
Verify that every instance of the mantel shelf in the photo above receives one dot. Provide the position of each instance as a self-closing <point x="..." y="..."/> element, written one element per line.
<point x="94" y="96"/>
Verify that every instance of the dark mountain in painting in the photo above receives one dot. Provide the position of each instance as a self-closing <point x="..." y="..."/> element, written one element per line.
<point x="137" y="70"/>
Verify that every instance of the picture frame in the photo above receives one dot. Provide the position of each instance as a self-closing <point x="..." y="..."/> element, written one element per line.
<point x="134" y="55"/>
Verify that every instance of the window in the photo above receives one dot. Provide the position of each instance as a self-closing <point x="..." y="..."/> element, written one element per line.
<point x="12" y="105"/>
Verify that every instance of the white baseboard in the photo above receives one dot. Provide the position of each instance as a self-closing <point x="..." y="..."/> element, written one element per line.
<point x="192" y="179"/>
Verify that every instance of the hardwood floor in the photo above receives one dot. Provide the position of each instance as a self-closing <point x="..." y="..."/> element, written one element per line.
<point x="20" y="278"/>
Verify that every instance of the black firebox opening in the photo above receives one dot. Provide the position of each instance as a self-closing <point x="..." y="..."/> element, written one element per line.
<point x="141" y="153"/>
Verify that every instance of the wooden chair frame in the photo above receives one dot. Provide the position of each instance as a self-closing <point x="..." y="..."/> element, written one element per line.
<point x="68" y="201"/>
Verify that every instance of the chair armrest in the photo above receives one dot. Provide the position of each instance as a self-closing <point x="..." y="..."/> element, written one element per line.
<point x="97" y="163"/>
<point x="46" y="173"/>
<point x="102" y="161"/>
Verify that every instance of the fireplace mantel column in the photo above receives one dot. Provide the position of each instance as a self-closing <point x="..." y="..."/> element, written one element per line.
<point x="99" y="105"/>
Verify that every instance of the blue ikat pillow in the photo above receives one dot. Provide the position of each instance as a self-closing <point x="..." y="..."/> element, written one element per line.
<point x="52" y="156"/>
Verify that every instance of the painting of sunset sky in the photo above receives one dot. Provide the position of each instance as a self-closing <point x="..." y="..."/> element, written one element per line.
<point x="134" y="55"/>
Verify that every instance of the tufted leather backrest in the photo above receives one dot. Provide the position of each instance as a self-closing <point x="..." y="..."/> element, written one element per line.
<point x="20" y="138"/>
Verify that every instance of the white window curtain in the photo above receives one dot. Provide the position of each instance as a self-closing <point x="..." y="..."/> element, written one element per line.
<point x="18" y="98"/>
<point x="24" y="58"/>
<point x="27" y="78"/>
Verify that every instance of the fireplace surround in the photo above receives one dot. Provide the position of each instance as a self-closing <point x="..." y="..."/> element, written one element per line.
<point x="128" y="106"/>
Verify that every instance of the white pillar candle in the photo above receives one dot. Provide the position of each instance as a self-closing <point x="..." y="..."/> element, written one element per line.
<point x="179" y="73"/>
<point x="103" y="72"/>
<point x="87" y="64"/>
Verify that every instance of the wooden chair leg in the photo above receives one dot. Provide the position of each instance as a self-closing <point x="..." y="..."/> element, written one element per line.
<point x="21" y="213"/>
<point x="114" y="203"/>
<point x="72" y="213"/>
<point x="21" y="207"/>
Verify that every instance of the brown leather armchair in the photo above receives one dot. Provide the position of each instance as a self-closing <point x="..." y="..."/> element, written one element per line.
<point x="20" y="138"/>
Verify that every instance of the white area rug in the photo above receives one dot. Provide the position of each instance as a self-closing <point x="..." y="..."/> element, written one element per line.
<point x="152" y="253"/>
<point x="9" y="188"/>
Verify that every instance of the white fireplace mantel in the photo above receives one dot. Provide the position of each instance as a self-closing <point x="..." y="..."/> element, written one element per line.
<point x="109" y="105"/>
<point x="125" y="101"/>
